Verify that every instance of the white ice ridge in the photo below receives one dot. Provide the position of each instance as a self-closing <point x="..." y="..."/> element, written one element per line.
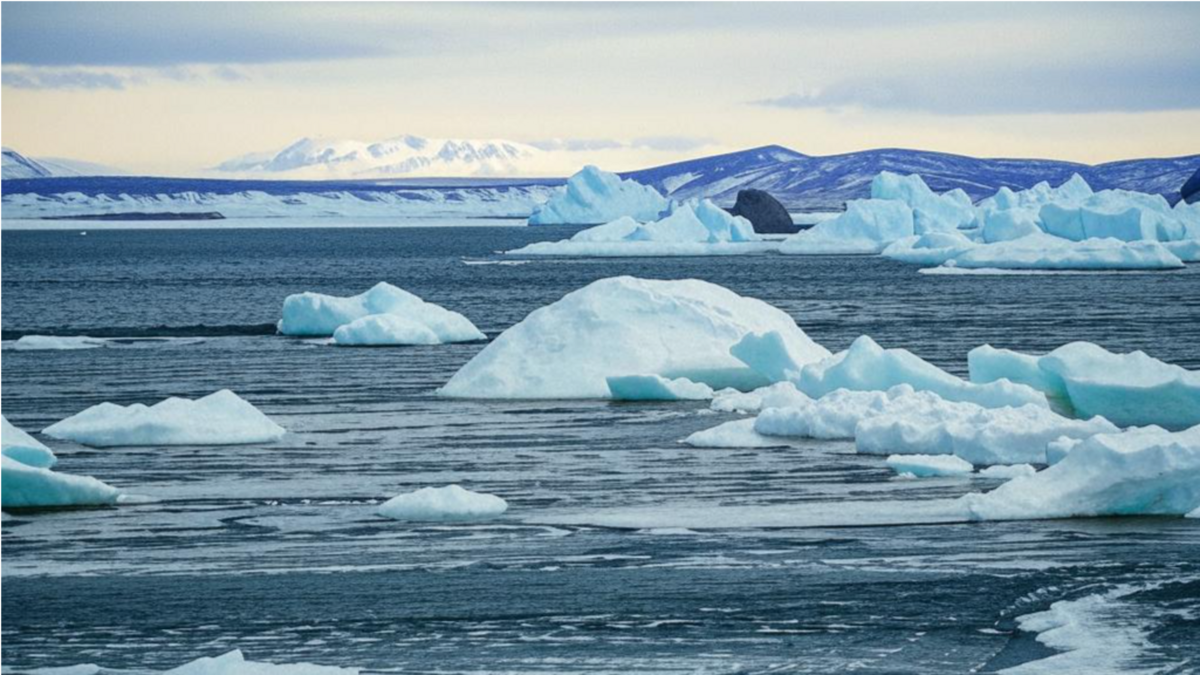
<point x="593" y="196"/>
<point x="688" y="229"/>
<point x="1131" y="389"/>
<point x="927" y="466"/>
<point x="657" y="388"/>
<point x="624" y="326"/>
<point x="55" y="342"/>
<point x="18" y="445"/>
<point x="314" y="314"/>
<point x="866" y="366"/>
<point x="1065" y="228"/>
<point x="1141" y="471"/>
<point x="449" y="503"/>
<point x="221" y="418"/>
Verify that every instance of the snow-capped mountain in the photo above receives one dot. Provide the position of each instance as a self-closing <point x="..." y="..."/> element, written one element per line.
<point x="317" y="158"/>
<point x="809" y="182"/>
<point x="17" y="165"/>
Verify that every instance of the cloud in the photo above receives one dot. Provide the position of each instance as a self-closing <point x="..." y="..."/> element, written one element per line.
<point x="577" y="144"/>
<point x="64" y="79"/>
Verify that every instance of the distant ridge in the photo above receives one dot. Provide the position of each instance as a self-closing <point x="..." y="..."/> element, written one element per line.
<point x="809" y="182"/>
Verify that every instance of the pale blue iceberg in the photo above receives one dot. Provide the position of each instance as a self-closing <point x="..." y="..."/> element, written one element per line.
<point x="657" y="388"/>
<point x="26" y="449"/>
<point x="449" y="503"/>
<point x="314" y="314"/>
<point x="25" y="486"/>
<point x="867" y="227"/>
<point x="593" y="196"/>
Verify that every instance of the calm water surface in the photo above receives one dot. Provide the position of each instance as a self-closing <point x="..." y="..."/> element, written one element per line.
<point x="276" y="549"/>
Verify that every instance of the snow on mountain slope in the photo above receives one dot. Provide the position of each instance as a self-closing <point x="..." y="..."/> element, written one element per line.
<point x="807" y="182"/>
<point x="317" y="158"/>
<point x="17" y="165"/>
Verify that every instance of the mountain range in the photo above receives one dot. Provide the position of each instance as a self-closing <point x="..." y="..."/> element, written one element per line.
<point x="802" y="182"/>
<point x="16" y="166"/>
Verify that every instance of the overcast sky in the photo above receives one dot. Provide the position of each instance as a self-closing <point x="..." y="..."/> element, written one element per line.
<point x="177" y="88"/>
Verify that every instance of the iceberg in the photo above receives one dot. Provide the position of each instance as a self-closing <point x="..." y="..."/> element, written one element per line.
<point x="1007" y="471"/>
<point x="838" y="414"/>
<point x="25" y="486"/>
<point x="657" y="388"/>
<point x="593" y="196"/>
<point x="928" y="466"/>
<point x="627" y="326"/>
<point x="866" y="366"/>
<point x="1043" y="251"/>
<point x="1131" y="389"/>
<point x="700" y="228"/>
<point x="1141" y="471"/>
<point x="221" y="418"/>
<point x="778" y="395"/>
<point x="981" y="436"/>
<point x="384" y="329"/>
<point x="931" y="211"/>
<point x="55" y="342"/>
<point x="317" y="315"/>
<point x="866" y="228"/>
<point x="449" y="503"/>
<point x="931" y="248"/>
<point x="735" y="434"/>
<point x="18" y="445"/>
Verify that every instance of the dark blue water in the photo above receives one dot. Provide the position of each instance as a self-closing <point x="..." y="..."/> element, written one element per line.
<point x="276" y="549"/>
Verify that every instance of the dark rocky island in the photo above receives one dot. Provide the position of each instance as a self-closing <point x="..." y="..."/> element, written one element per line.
<point x="764" y="212"/>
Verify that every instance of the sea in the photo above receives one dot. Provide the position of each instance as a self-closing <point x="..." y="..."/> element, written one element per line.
<point x="622" y="551"/>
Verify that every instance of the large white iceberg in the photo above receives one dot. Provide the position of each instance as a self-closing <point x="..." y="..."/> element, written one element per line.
<point x="593" y="196"/>
<point x="1128" y="389"/>
<point x="931" y="211"/>
<point x="626" y="326"/>
<point x="1043" y="251"/>
<point x="26" y="449"/>
<point x="981" y="436"/>
<point x="867" y="227"/>
<point x="449" y="503"/>
<point x="1142" y="471"/>
<point x="314" y="314"/>
<point x="689" y="229"/>
<point x="866" y="366"/>
<point x="221" y="418"/>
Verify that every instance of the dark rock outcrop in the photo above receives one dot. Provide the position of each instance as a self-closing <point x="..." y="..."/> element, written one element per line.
<point x="1191" y="189"/>
<point x="764" y="212"/>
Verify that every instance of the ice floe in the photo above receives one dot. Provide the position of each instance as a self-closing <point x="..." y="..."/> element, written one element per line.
<point x="235" y="663"/>
<point x="594" y="196"/>
<point x="838" y="414"/>
<point x="1140" y="471"/>
<point x="26" y="486"/>
<point x="699" y="228"/>
<point x="221" y="418"/>
<point x="1042" y="251"/>
<point x="735" y="434"/>
<point x="385" y="329"/>
<point x="56" y="342"/>
<point x="866" y="366"/>
<point x="18" y="445"/>
<point x="626" y="326"/>
<point x="657" y="388"/>
<point x="927" y="466"/>
<point x="314" y="315"/>
<point x="449" y="503"/>
<point x="778" y="395"/>
<point x="1131" y="389"/>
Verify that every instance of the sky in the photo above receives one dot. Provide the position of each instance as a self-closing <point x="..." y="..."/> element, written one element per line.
<point x="175" y="89"/>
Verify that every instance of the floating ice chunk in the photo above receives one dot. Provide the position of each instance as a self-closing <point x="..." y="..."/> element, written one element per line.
<point x="384" y="329"/>
<point x="626" y="326"/>
<point x="735" y="434"/>
<point x="314" y="314"/>
<point x="449" y="503"/>
<point x="18" y="445"/>
<point x="221" y="418"/>
<point x="931" y="211"/>
<point x="837" y="414"/>
<point x="1142" y="471"/>
<point x="234" y="663"/>
<point x="778" y="395"/>
<point x="47" y="342"/>
<point x="926" y="466"/>
<point x="1128" y="389"/>
<point x="1194" y="514"/>
<point x="593" y="196"/>
<point x="689" y="229"/>
<point x="978" y="435"/>
<point x="1007" y="471"/>
<point x="657" y="388"/>
<point x="771" y="355"/>
<point x="1042" y="251"/>
<point x="26" y="486"/>
<point x="866" y="366"/>
<point x="867" y="227"/>
<point x="932" y="248"/>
